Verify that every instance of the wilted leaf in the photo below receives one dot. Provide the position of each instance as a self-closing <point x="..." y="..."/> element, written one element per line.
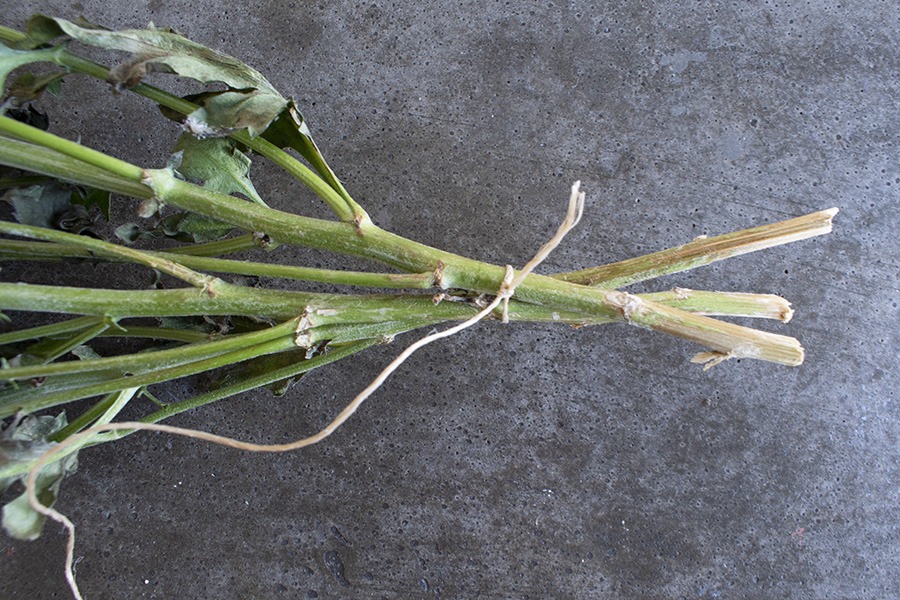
<point x="130" y="232"/>
<point x="50" y="206"/>
<point x="42" y="30"/>
<point x="30" y="116"/>
<point x="33" y="429"/>
<point x="184" y="227"/>
<point x="251" y="102"/>
<point x="222" y="167"/>
<point x="24" y="442"/>
<point x="20" y="520"/>
<point x="13" y="452"/>
<point x="28" y="87"/>
<point x="76" y="220"/>
<point x="12" y="59"/>
<point x="38" y="205"/>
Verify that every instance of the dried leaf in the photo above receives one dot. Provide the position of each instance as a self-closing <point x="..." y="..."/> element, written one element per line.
<point x="250" y="102"/>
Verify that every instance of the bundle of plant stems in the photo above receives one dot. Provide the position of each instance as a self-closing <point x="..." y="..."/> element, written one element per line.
<point x="203" y="200"/>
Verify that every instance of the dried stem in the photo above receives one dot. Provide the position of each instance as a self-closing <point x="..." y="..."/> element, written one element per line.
<point x="703" y="251"/>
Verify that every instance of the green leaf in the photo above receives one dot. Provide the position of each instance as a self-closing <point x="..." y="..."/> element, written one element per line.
<point x="250" y="102"/>
<point x="38" y="205"/>
<point x="289" y="130"/>
<point x="13" y="59"/>
<point x="222" y="167"/>
<point x="260" y="366"/>
<point x="93" y="197"/>
<point x="191" y="227"/>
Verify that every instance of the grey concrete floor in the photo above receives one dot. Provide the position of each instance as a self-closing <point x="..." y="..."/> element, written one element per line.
<point x="533" y="461"/>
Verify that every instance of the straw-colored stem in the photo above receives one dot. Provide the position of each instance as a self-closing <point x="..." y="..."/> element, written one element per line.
<point x="702" y="251"/>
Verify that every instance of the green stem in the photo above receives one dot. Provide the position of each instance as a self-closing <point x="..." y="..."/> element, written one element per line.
<point x="38" y="251"/>
<point x="23" y="181"/>
<point x="16" y="250"/>
<point x="51" y="330"/>
<point x="239" y="243"/>
<point x="19" y="250"/>
<point x="63" y="347"/>
<point x="39" y="401"/>
<point x="75" y="150"/>
<point x="38" y="159"/>
<point x="364" y="239"/>
<point x="11" y="35"/>
<point x="311" y="153"/>
<point x="171" y="410"/>
<point x="154" y="261"/>
<point x="158" y="333"/>
<point x="85" y="418"/>
<point x="12" y="397"/>
<point x="725" y="304"/>
<point x="232" y="300"/>
<point x="148" y="361"/>
<point x="354" y="278"/>
<point x="344" y="207"/>
<point x="332" y="355"/>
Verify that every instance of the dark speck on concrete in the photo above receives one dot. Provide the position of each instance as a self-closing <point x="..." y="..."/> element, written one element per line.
<point x="335" y="565"/>
<point x="336" y="533"/>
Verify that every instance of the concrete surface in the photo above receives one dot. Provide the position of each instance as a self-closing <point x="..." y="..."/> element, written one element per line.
<point x="537" y="461"/>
